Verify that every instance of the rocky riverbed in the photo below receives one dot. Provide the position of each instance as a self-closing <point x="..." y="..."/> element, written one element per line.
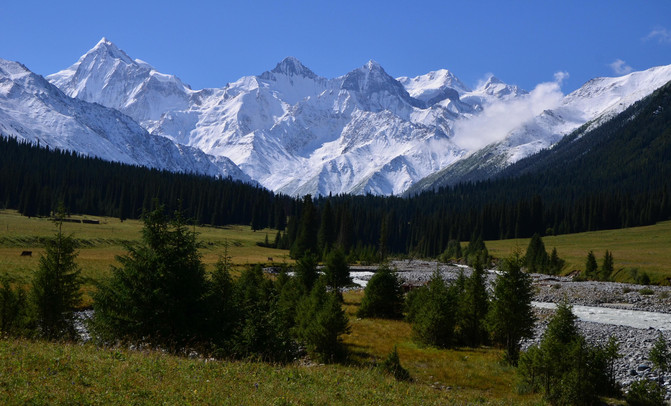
<point x="635" y="343"/>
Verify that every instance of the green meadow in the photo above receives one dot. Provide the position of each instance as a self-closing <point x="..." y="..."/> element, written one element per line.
<point x="637" y="249"/>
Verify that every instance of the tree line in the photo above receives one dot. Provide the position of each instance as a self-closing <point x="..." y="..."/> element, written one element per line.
<point x="34" y="180"/>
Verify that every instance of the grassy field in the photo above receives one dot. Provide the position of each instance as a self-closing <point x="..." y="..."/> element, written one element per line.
<point x="48" y="373"/>
<point x="99" y="244"/>
<point x="646" y="249"/>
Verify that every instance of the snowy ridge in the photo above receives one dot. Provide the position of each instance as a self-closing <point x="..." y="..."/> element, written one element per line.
<point x="34" y="110"/>
<point x="296" y="132"/>
<point x="288" y="128"/>
<point x="595" y="102"/>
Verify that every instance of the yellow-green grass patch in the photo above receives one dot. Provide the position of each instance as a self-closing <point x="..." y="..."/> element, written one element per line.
<point x="468" y="373"/>
<point x="647" y="249"/>
<point x="100" y="244"/>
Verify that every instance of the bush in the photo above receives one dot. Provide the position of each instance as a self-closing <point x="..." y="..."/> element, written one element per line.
<point x="645" y="393"/>
<point x="13" y="310"/>
<point x="392" y="366"/>
<point x="383" y="296"/>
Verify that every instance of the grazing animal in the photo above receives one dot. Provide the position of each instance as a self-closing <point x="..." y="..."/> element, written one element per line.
<point x="270" y="259"/>
<point x="26" y="253"/>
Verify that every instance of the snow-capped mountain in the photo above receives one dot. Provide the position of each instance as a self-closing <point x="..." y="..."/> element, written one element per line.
<point x="34" y="110"/>
<point x="594" y="103"/>
<point x="290" y="129"/>
<point x="364" y="132"/>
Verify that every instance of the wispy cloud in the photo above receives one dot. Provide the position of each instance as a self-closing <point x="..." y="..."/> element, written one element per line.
<point x="500" y="118"/>
<point x="561" y="76"/>
<point x="662" y="35"/>
<point x="620" y="67"/>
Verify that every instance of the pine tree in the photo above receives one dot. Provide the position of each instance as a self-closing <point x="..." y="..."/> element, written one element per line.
<point x="392" y="366"/>
<point x="383" y="296"/>
<point x="453" y="251"/>
<point x="607" y="267"/>
<point x="336" y="270"/>
<point x="660" y="355"/>
<point x="261" y="331"/>
<point x="320" y="323"/>
<point x="556" y="264"/>
<point x="565" y="367"/>
<point x="158" y="291"/>
<point x="590" y="266"/>
<point x="308" y="228"/>
<point x="511" y="317"/>
<point x="384" y="236"/>
<point x="14" y="318"/>
<point x="326" y="235"/>
<point x="55" y="292"/>
<point x="306" y="271"/>
<point x="473" y="308"/>
<point x="433" y="313"/>
<point x="222" y="315"/>
<point x="536" y="258"/>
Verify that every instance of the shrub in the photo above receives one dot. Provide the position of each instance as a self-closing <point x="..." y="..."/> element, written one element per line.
<point x="383" y="296"/>
<point x="13" y="310"/>
<point x="645" y="393"/>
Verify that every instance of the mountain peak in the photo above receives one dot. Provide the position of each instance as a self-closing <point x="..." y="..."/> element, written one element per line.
<point x="373" y="65"/>
<point x="108" y="48"/>
<point x="291" y="66"/>
<point x="493" y="80"/>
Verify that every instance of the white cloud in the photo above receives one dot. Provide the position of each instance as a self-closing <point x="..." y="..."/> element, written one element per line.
<point x="662" y="35"/>
<point x="500" y="118"/>
<point x="561" y="76"/>
<point x="620" y="67"/>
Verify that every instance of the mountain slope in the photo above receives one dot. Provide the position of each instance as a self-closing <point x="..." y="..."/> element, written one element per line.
<point x="290" y="129"/>
<point x="627" y="148"/>
<point x="34" y="110"/>
<point x="595" y="102"/>
<point x="364" y="132"/>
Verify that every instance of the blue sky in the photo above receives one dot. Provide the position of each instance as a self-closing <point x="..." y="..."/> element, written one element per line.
<point x="210" y="43"/>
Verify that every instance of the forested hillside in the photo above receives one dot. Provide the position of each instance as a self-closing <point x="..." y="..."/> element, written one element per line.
<point x="34" y="180"/>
